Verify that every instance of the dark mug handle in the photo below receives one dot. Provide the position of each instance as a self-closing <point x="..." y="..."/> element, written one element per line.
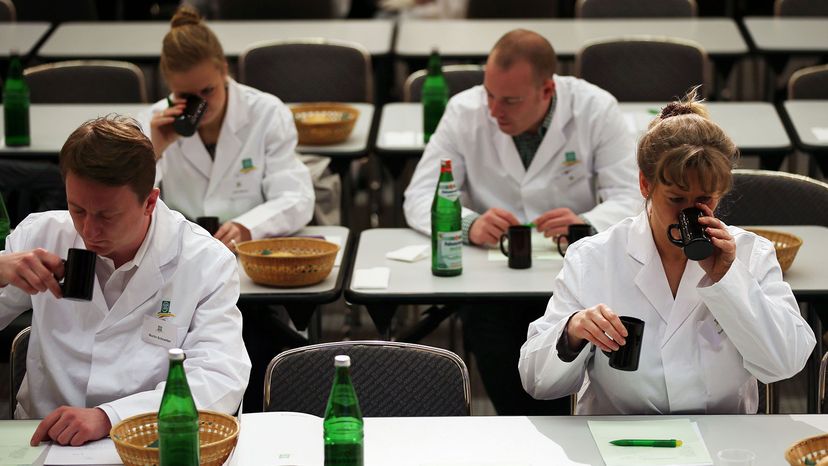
<point x="502" y="248"/>
<point x="670" y="236"/>
<point x="558" y="242"/>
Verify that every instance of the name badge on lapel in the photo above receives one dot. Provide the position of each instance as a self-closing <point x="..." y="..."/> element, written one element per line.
<point x="158" y="332"/>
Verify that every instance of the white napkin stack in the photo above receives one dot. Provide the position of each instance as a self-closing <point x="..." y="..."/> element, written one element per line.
<point x="411" y="253"/>
<point x="375" y="278"/>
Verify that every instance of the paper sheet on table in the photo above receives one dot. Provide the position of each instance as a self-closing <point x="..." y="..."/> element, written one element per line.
<point x="402" y="138"/>
<point x="14" y="442"/>
<point x="821" y="133"/>
<point x="411" y="253"/>
<point x="543" y="248"/>
<point x="375" y="278"/>
<point x="337" y="240"/>
<point x="692" y="452"/>
<point x="303" y="449"/>
<point x="99" y="452"/>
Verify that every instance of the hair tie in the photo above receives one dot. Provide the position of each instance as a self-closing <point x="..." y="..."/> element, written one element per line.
<point x="675" y="108"/>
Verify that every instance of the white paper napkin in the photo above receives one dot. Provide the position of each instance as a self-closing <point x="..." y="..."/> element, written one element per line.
<point x="374" y="278"/>
<point x="820" y="133"/>
<point x="411" y="253"/>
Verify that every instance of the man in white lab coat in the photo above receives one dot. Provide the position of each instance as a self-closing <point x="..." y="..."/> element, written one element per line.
<point x="527" y="146"/>
<point x="158" y="278"/>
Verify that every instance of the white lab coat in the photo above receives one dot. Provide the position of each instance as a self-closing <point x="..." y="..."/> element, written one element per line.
<point x="701" y="353"/>
<point x="82" y="354"/>
<point x="600" y="184"/>
<point x="256" y="180"/>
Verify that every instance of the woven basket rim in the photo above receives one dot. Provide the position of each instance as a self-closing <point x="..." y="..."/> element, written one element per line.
<point x="333" y="251"/>
<point x="322" y="106"/>
<point x="795" y="240"/>
<point x="793" y="457"/>
<point x="154" y="414"/>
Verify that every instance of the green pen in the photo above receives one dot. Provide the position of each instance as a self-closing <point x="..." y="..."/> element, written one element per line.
<point x="671" y="443"/>
<point x="531" y="225"/>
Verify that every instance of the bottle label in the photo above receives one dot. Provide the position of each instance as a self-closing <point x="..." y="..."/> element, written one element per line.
<point x="448" y="190"/>
<point x="449" y="250"/>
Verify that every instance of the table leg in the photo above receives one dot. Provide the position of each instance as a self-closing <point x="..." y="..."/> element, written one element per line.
<point x="396" y="167"/>
<point x="342" y="167"/>
<point x="433" y="317"/>
<point x="382" y="314"/>
<point x="306" y="317"/>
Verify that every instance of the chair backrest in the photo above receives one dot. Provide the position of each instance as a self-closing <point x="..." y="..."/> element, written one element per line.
<point x="86" y="82"/>
<point x="17" y="366"/>
<point x="278" y="9"/>
<point x="643" y="69"/>
<point x="800" y="8"/>
<point x="512" y="9"/>
<point x="391" y="379"/>
<point x="458" y="77"/>
<point x="809" y="83"/>
<point x="635" y="9"/>
<point x="7" y="11"/>
<point x="309" y="70"/>
<point x="762" y="197"/>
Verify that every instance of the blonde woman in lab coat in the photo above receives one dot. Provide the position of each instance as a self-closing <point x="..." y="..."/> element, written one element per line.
<point x="712" y="328"/>
<point x="241" y="164"/>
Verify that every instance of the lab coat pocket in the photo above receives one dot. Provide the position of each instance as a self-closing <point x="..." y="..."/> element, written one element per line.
<point x="162" y="332"/>
<point x="246" y="184"/>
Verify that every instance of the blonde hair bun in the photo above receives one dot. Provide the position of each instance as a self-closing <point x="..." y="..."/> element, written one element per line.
<point x="185" y="16"/>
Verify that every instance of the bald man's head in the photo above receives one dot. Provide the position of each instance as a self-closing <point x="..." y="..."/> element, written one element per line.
<point x="524" y="45"/>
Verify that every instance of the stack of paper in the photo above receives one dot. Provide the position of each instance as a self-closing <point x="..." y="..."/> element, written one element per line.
<point x="692" y="451"/>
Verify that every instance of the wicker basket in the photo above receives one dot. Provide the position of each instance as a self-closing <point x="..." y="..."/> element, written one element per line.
<point x="293" y="262"/>
<point x="217" y="436"/>
<point x="810" y="451"/>
<point x="324" y="123"/>
<point x="786" y="246"/>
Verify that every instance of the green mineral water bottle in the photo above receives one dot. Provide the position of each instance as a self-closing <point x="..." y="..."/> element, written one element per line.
<point x="343" y="429"/>
<point x="435" y="94"/>
<point x="446" y="228"/>
<point x="16" y="105"/>
<point x="5" y="224"/>
<point x="177" y="417"/>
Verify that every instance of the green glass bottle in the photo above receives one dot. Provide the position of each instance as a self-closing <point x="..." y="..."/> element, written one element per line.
<point x="343" y="428"/>
<point x="16" y="105"/>
<point x="446" y="227"/>
<point x="5" y="224"/>
<point x="177" y="417"/>
<point x="435" y="94"/>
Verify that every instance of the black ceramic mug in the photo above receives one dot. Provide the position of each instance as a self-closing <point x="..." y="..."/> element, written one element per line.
<point x="575" y="232"/>
<point x="187" y="123"/>
<point x="79" y="274"/>
<point x="211" y="224"/>
<point x="694" y="239"/>
<point x="626" y="357"/>
<point x="519" y="250"/>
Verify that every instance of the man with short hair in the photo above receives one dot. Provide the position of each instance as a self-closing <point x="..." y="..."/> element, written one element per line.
<point x="160" y="282"/>
<point x="526" y="146"/>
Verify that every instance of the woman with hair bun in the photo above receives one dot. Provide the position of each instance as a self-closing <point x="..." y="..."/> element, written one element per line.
<point x="240" y="164"/>
<point x="712" y="327"/>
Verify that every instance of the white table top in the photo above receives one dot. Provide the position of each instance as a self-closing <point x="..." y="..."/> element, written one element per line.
<point x="142" y="40"/>
<point x="20" y="36"/>
<point x="51" y="124"/>
<point x="475" y="38"/>
<point x="788" y="35"/>
<point x="482" y="278"/>
<point x="754" y="126"/>
<point x="810" y="120"/>
<point x="502" y="440"/>
<point x="331" y="233"/>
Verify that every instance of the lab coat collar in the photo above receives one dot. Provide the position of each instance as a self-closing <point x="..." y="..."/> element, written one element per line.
<point x="554" y="140"/>
<point x="148" y="279"/>
<point x="650" y="279"/>
<point x="229" y="145"/>
<point x="193" y="150"/>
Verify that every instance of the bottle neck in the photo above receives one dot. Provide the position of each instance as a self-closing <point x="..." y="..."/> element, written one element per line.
<point x="434" y="66"/>
<point x="15" y="68"/>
